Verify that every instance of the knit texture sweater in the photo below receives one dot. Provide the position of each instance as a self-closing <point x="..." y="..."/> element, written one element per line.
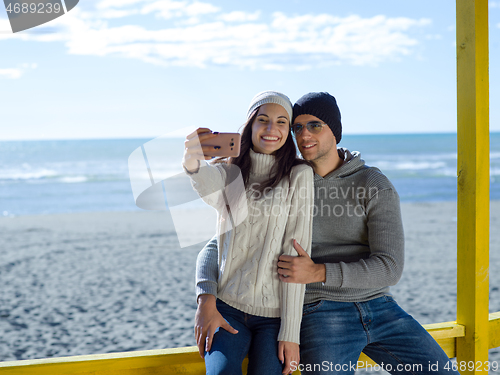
<point x="357" y="234"/>
<point x="246" y="264"/>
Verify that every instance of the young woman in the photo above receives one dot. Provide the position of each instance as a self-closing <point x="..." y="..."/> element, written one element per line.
<point x="254" y="312"/>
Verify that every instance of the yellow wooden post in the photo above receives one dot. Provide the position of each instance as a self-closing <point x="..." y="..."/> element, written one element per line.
<point x="473" y="183"/>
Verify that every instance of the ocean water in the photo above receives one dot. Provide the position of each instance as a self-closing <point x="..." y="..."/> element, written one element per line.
<point x="42" y="177"/>
<point x="92" y="285"/>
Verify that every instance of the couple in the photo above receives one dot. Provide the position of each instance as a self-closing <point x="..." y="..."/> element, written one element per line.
<point x="250" y="280"/>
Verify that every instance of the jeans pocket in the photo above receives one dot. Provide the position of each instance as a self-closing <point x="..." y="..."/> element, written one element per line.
<point x="389" y="298"/>
<point x="311" y="307"/>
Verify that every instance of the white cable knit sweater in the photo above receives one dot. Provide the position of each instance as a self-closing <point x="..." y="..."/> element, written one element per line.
<point x="248" y="254"/>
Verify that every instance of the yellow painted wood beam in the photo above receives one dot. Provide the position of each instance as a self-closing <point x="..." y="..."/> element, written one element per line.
<point x="494" y="330"/>
<point x="167" y="361"/>
<point x="187" y="360"/>
<point x="172" y="361"/>
<point x="473" y="179"/>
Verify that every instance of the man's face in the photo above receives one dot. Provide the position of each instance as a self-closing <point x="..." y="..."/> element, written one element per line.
<point x="316" y="148"/>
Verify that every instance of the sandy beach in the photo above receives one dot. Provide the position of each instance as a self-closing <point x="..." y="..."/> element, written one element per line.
<point x="86" y="283"/>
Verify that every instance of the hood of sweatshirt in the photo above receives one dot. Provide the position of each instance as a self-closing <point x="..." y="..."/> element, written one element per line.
<point x="352" y="164"/>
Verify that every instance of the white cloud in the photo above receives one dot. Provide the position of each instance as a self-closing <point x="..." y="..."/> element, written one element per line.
<point x="15" y="73"/>
<point x="11" y="73"/>
<point x="198" y="8"/>
<point x="494" y="4"/>
<point x="238" y="16"/>
<point x="115" y="13"/>
<point x="165" y="9"/>
<point x="199" y="34"/>
<point x="5" y="28"/>
<point x="106" y="4"/>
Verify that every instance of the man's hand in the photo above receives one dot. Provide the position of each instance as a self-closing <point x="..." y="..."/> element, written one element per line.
<point x="288" y="354"/>
<point x="300" y="269"/>
<point x="206" y="322"/>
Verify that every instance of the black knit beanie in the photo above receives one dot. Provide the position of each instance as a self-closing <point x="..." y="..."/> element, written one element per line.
<point x="323" y="106"/>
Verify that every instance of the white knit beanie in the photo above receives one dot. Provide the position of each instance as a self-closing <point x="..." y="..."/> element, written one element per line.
<point x="266" y="97"/>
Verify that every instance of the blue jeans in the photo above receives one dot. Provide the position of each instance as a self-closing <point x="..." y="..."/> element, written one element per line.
<point x="257" y="336"/>
<point x="333" y="335"/>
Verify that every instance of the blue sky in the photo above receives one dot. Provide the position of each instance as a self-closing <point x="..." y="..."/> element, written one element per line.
<point x="143" y="68"/>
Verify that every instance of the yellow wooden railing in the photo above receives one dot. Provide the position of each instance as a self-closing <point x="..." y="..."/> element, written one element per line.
<point x="187" y="360"/>
<point x="475" y="331"/>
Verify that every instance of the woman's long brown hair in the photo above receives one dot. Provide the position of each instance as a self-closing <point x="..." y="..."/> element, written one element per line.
<point x="286" y="157"/>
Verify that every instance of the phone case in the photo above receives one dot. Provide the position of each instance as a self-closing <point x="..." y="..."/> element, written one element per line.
<point x="229" y="144"/>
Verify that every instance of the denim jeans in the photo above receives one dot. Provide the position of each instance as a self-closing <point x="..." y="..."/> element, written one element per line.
<point x="333" y="335"/>
<point x="257" y="336"/>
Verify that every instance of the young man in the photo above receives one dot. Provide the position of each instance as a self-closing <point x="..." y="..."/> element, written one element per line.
<point x="357" y="253"/>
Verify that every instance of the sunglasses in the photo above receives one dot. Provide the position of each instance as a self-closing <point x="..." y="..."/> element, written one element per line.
<point x="313" y="127"/>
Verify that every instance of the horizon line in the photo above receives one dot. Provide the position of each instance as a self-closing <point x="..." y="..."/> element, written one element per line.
<point x="181" y="137"/>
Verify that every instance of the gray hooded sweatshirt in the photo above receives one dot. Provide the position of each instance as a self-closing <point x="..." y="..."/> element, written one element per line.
<point x="357" y="234"/>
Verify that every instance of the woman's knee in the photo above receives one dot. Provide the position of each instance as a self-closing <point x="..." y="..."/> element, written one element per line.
<point x="218" y="363"/>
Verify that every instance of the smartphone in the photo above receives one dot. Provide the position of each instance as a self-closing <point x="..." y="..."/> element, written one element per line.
<point x="229" y="144"/>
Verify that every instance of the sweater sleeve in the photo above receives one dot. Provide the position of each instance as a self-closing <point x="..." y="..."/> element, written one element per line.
<point x="207" y="269"/>
<point x="384" y="265"/>
<point x="298" y="227"/>
<point x="209" y="182"/>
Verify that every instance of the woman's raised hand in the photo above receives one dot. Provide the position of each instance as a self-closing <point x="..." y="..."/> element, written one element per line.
<point x="194" y="150"/>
